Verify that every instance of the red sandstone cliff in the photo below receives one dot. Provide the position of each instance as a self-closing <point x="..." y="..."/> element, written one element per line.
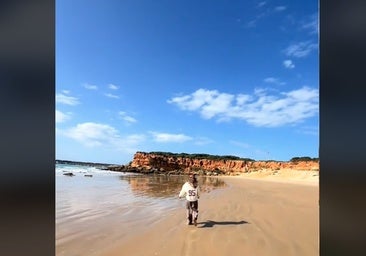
<point x="169" y="163"/>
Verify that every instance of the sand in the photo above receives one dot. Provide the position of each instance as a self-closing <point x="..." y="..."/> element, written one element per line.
<point x="258" y="214"/>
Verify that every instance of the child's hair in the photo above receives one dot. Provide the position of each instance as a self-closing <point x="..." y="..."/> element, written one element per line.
<point x="193" y="178"/>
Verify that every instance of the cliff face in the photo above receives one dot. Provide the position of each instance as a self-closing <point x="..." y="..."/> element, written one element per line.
<point x="169" y="163"/>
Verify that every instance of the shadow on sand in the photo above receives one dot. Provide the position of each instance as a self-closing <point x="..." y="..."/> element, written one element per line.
<point x="211" y="223"/>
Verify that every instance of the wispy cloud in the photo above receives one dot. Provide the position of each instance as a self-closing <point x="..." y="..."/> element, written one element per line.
<point x="264" y="12"/>
<point x="126" y="118"/>
<point x="113" y="87"/>
<point x="102" y="135"/>
<point x="301" y="49"/>
<point x="61" y="117"/>
<point x="309" y="130"/>
<point x="252" y="23"/>
<point x="259" y="109"/>
<point x="261" y="4"/>
<point x="67" y="100"/>
<point x="280" y="8"/>
<point x="274" y="80"/>
<point x="170" y="138"/>
<point x="110" y="95"/>
<point x="288" y="64"/>
<point x="311" y="24"/>
<point x="90" y="86"/>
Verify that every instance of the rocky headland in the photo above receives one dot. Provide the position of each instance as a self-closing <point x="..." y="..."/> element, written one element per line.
<point x="204" y="164"/>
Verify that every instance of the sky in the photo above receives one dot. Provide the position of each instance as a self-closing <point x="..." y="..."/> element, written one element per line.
<point x="214" y="77"/>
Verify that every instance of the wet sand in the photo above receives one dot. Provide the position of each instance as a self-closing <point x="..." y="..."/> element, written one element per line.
<point x="95" y="213"/>
<point x="276" y="214"/>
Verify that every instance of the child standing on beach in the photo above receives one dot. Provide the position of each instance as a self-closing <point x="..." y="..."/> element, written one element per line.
<point x="191" y="191"/>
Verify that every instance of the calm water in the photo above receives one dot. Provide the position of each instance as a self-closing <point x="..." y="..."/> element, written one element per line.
<point x="93" y="211"/>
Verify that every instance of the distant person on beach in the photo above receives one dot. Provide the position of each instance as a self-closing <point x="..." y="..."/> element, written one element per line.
<point x="191" y="191"/>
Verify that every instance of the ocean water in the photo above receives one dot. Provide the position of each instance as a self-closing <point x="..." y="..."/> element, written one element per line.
<point x="93" y="212"/>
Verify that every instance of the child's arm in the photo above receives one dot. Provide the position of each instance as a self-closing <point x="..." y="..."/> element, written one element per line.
<point x="182" y="192"/>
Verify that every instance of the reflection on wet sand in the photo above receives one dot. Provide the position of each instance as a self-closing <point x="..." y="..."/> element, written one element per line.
<point x="163" y="186"/>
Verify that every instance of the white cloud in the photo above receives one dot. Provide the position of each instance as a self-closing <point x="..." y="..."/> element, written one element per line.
<point x="113" y="87"/>
<point x="102" y="135"/>
<point x="90" y="86"/>
<point x="61" y="117"/>
<point x="273" y="80"/>
<point x="311" y="24"/>
<point x="194" y="101"/>
<point x="241" y="99"/>
<point x="259" y="109"/>
<point x="92" y="134"/>
<point x="68" y="100"/>
<point x="128" y="119"/>
<point x="110" y="95"/>
<point x="211" y="102"/>
<point x="301" y="49"/>
<point x="288" y="64"/>
<point x="280" y="8"/>
<point x="217" y="105"/>
<point x="66" y="91"/>
<point x="168" y="137"/>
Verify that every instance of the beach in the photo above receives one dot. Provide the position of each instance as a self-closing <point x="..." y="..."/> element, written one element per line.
<point x="253" y="214"/>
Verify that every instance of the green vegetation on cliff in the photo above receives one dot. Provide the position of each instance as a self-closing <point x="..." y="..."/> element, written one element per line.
<point x="223" y="157"/>
<point x="303" y="158"/>
<point x="199" y="156"/>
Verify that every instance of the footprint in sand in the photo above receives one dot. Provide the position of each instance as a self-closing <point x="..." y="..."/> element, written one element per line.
<point x="190" y="242"/>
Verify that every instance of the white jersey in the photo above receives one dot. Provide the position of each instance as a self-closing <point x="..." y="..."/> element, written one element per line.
<point x="191" y="193"/>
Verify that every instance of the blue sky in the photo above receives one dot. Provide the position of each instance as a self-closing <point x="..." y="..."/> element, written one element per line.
<point x="215" y="77"/>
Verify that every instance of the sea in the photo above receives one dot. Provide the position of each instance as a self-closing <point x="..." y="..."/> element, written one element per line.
<point x="96" y="207"/>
